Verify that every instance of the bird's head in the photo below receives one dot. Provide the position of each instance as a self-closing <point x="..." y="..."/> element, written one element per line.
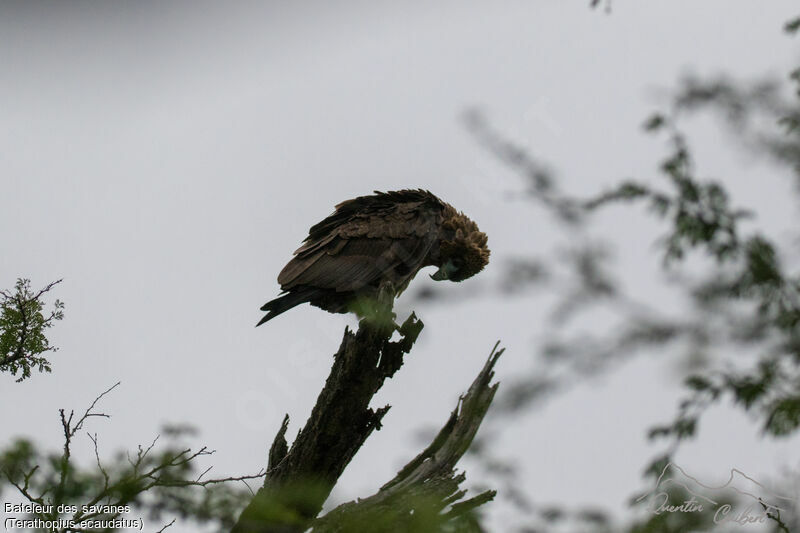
<point x="465" y="253"/>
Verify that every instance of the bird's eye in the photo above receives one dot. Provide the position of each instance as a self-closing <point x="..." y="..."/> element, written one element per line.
<point x="457" y="262"/>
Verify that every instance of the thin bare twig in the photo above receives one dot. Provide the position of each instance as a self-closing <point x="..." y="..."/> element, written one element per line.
<point x="166" y="526"/>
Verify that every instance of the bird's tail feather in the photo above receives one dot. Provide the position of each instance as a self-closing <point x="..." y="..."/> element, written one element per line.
<point x="284" y="303"/>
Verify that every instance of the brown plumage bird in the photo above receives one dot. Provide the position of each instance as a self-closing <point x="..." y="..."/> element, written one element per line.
<point x="378" y="242"/>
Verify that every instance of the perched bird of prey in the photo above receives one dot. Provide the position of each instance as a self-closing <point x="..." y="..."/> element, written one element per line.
<point x="375" y="243"/>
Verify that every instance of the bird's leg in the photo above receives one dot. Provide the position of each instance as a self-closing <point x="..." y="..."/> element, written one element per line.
<point x="386" y="293"/>
<point x="384" y="304"/>
<point x="378" y="307"/>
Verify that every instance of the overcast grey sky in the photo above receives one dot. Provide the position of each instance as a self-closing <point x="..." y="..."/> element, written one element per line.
<point x="165" y="159"/>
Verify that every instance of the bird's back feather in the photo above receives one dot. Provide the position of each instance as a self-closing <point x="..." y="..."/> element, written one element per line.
<point x="365" y="243"/>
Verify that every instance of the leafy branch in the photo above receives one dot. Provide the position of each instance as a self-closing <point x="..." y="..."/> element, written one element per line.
<point x="22" y="328"/>
<point x="157" y="481"/>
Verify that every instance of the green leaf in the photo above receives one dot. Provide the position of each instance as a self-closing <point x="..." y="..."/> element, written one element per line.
<point x="698" y="383"/>
<point x="657" y="466"/>
<point x="659" y="431"/>
<point x="654" y="122"/>
<point x="747" y="391"/>
<point x="627" y="191"/>
<point x="784" y="416"/>
<point x="792" y="26"/>
<point x="685" y="427"/>
<point x="762" y="263"/>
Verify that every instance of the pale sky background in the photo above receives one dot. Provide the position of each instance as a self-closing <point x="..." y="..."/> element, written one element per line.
<point x="165" y="159"/>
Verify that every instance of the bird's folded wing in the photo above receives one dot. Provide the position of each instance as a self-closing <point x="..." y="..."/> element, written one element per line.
<point x="364" y="250"/>
<point x="358" y="263"/>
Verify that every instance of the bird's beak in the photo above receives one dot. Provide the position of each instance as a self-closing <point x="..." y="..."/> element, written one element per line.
<point x="440" y="274"/>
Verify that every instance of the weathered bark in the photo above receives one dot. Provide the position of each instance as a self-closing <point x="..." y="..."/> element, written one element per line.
<point x="299" y="480"/>
<point x="429" y="482"/>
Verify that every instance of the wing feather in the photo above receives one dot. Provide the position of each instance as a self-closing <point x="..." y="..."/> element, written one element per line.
<point x="368" y="239"/>
<point x="355" y="264"/>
